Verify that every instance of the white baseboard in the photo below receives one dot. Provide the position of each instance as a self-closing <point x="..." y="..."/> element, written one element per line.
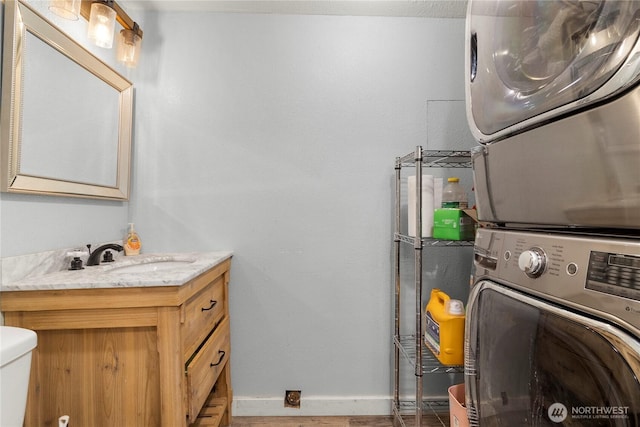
<point x="312" y="406"/>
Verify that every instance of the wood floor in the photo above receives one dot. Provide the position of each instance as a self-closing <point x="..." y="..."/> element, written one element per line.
<point x="427" y="421"/>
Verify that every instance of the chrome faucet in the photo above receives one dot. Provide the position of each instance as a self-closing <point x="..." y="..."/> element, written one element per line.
<point x="94" y="257"/>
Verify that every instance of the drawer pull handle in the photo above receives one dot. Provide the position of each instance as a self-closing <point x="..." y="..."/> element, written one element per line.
<point x="221" y="353"/>
<point x="213" y="304"/>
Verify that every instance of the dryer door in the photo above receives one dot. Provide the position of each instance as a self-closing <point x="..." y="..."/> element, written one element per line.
<point x="530" y="61"/>
<point x="532" y="363"/>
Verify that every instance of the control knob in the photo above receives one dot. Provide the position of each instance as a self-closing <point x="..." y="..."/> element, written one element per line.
<point x="533" y="262"/>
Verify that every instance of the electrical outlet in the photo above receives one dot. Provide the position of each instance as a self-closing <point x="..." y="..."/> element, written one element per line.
<point x="292" y="398"/>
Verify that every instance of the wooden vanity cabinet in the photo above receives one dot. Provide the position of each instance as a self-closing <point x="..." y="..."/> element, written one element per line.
<point x="145" y="356"/>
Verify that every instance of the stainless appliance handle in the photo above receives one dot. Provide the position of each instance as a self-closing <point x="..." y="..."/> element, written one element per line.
<point x="473" y="49"/>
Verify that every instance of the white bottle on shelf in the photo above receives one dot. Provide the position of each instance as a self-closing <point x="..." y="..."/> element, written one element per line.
<point x="453" y="195"/>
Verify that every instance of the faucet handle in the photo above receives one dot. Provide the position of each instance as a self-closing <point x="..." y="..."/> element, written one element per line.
<point x="76" y="262"/>
<point x="107" y="256"/>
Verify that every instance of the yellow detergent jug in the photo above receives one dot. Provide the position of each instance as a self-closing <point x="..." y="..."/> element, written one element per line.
<point x="444" y="328"/>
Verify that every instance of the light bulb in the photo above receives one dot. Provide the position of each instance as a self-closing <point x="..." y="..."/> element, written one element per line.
<point x="102" y="23"/>
<point x="129" y="46"/>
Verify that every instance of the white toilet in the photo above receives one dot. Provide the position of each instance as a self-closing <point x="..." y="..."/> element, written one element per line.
<point x="16" y="345"/>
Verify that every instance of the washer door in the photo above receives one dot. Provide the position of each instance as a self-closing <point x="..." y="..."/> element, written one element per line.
<point x="531" y="363"/>
<point x="529" y="61"/>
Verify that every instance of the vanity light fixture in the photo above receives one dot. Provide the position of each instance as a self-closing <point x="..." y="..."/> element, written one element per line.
<point x="130" y="36"/>
<point x="129" y="45"/>
<point x="67" y="9"/>
<point x="102" y="23"/>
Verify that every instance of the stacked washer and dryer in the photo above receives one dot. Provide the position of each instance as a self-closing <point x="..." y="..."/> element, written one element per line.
<point x="553" y="319"/>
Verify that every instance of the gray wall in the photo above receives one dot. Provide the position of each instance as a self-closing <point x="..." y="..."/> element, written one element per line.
<point x="275" y="136"/>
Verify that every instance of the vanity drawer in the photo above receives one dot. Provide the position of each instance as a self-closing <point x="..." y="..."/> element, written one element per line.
<point x="205" y="368"/>
<point x="202" y="312"/>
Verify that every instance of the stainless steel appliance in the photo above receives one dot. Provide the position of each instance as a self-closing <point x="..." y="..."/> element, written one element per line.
<point x="552" y="93"/>
<point x="553" y="330"/>
<point x="553" y="318"/>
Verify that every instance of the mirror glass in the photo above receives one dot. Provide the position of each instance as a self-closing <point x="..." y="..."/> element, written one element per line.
<point x="67" y="127"/>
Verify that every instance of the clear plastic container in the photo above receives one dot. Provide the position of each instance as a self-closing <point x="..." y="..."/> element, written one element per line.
<point x="453" y="195"/>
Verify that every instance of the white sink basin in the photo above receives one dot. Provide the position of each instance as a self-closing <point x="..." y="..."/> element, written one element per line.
<point x="149" y="267"/>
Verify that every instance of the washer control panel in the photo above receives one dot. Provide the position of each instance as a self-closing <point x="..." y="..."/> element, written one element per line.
<point x="615" y="274"/>
<point x="599" y="275"/>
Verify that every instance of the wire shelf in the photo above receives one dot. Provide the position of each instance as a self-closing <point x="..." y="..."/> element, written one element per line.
<point x="410" y="347"/>
<point x="430" y="363"/>
<point x="437" y="159"/>
<point x="429" y="241"/>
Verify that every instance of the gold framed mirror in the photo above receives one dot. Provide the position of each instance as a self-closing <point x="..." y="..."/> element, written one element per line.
<point x="66" y="118"/>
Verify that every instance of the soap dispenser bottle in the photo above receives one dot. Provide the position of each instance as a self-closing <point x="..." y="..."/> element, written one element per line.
<point x="132" y="242"/>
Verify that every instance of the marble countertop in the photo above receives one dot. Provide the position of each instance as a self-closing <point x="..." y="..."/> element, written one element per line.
<point x="107" y="275"/>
